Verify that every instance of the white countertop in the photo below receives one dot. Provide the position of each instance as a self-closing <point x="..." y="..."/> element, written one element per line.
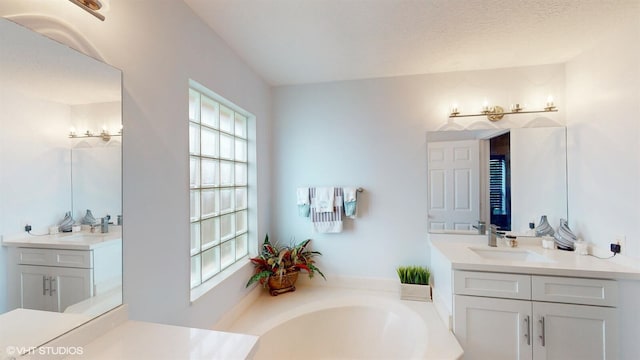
<point x="21" y="330"/>
<point x="81" y="240"/>
<point x="143" y="340"/>
<point x="563" y="263"/>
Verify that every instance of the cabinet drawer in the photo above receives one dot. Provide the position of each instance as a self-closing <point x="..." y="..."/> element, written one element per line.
<point x="511" y="286"/>
<point x="575" y="290"/>
<point x="55" y="257"/>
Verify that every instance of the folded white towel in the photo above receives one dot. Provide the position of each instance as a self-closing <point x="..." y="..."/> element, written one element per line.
<point x="350" y="202"/>
<point x="303" y="196"/>
<point x="324" y="199"/>
<point x="349" y="193"/>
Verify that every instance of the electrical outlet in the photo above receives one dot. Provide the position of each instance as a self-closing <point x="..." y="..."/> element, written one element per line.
<point x="615" y="248"/>
<point x="622" y="241"/>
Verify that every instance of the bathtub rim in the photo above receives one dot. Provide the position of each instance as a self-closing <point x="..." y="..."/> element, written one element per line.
<point x="363" y="300"/>
<point x="417" y="327"/>
<point x="442" y="343"/>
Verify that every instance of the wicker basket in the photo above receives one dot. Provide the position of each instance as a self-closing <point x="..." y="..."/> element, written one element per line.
<point x="282" y="284"/>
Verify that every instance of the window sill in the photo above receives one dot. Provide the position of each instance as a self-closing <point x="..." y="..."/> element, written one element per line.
<point x="206" y="286"/>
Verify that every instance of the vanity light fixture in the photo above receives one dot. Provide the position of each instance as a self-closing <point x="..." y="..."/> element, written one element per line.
<point x="495" y="113"/>
<point x="90" y="6"/>
<point x="104" y="134"/>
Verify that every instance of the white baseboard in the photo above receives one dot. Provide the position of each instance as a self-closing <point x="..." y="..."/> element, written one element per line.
<point x="443" y="312"/>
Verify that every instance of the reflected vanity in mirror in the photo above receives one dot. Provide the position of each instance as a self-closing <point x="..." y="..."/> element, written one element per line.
<point x="60" y="151"/>
<point x="505" y="177"/>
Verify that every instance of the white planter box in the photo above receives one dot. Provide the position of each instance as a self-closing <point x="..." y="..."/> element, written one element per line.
<point x="415" y="292"/>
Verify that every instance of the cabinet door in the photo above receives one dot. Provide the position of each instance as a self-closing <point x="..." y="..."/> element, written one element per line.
<point x="564" y="331"/>
<point x="34" y="288"/>
<point x="70" y="285"/>
<point x="489" y="328"/>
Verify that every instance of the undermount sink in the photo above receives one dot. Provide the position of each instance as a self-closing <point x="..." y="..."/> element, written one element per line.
<point x="510" y="255"/>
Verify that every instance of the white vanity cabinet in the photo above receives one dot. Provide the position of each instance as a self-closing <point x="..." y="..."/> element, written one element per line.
<point x="53" y="288"/>
<point x="53" y="279"/>
<point x="519" y="316"/>
<point x="54" y="272"/>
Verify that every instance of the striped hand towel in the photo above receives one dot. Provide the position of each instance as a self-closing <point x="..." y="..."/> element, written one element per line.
<point x="327" y="222"/>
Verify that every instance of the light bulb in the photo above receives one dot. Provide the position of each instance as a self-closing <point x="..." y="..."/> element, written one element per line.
<point x="485" y="106"/>
<point x="454" y="109"/>
<point x="549" y="100"/>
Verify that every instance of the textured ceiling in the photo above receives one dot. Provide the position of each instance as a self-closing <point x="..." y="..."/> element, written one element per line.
<point x="305" y="41"/>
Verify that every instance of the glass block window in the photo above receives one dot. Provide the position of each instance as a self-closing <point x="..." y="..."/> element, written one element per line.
<point x="218" y="185"/>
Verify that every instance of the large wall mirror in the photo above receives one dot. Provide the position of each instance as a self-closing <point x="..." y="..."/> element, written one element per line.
<point x="49" y="92"/>
<point x="505" y="177"/>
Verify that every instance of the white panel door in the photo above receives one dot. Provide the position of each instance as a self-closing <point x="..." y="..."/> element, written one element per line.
<point x="496" y="329"/>
<point x="453" y="182"/>
<point x="583" y="332"/>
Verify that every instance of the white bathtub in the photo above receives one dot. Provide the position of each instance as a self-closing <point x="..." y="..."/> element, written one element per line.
<point x="333" y="323"/>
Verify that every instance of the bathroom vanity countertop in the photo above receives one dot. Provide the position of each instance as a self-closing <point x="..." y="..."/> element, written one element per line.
<point x="82" y="240"/>
<point x="16" y="338"/>
<point x="144" y="340"/>
<point x="562" y="263"/>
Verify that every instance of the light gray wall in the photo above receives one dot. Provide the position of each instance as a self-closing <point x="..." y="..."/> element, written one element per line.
<point x="603" y="99"/>
<point x="159" y="46"/>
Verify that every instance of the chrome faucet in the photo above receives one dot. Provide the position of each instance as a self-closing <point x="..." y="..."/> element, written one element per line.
<point x="481" y="227"/>
<point x="493" y="235"/>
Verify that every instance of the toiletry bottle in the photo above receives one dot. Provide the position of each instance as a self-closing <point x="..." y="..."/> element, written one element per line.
<point x="104" y="225"/>
<point x="531" y="231"/>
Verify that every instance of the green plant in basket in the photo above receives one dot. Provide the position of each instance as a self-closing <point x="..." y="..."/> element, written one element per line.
<point x="276" y="260"/>
<point x="413" y="275"/>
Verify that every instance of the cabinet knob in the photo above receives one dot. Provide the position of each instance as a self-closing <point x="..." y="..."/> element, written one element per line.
<point x="542" y="330"/>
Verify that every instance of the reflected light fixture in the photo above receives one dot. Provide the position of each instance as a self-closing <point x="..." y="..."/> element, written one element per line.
<point x="90" y="6"/>
<point x="104" y="134"/>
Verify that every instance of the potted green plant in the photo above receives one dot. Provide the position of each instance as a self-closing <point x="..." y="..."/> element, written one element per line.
<point x="277" y="266"/>
<point x="414" y="283"/>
